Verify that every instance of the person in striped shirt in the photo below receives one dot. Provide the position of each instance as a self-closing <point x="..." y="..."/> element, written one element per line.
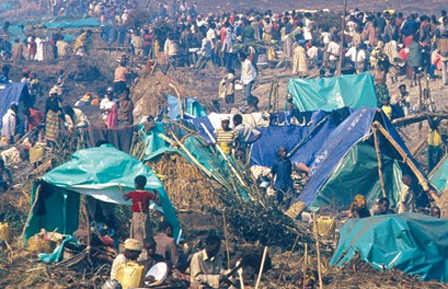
<point x="226" y="137"/>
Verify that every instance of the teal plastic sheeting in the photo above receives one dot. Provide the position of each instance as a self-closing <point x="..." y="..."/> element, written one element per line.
<point x="88" y="22"/>
<point x="439" y="178"/>
<point x="328" y="94"/>
<point x="95" y="172"/>
<point x="413" y="243"/>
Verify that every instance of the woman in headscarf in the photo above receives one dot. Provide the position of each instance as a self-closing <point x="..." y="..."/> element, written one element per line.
<point x="53" y="113"/>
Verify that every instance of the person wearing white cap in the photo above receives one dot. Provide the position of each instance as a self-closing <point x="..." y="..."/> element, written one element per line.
<point x="132" y="250"/>
<point x="226" y="137"/>
<point x="52" y="117"/>
<point x="107" y="102"/>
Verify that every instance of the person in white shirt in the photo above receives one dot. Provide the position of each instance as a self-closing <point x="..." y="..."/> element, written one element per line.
<point x="248" y="77"/>
<point x="333" y="51"/>
<point x="9" y="122"/>
<point x="107" y="102"/>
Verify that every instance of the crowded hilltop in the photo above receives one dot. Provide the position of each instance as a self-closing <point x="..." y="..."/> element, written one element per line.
<point x="303" y="131"/>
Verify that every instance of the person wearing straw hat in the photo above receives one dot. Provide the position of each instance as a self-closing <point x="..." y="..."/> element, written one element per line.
<point x="132" y="250"/>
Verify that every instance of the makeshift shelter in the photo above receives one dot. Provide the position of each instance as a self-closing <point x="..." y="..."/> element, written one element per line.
<point x="15" y="92"/>
<point x="347" y="163"/>
<point x="327" y="94"/>
<point x="81" y="23"/>
<point x="413" y="243"/>
<point x="439" y="176"/>
<point x="94" y="172"/>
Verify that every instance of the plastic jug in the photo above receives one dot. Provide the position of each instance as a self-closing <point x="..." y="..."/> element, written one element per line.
<point x="4" y="231"/>
<point x="326" y="226"/>
<point x="131" y="275"/>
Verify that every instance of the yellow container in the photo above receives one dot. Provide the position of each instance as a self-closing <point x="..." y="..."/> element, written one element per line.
<point x="131" y="275"/>
<point x="36" y="153"/>
<point x="4" y="231"/>
<point x="326" y="226"/>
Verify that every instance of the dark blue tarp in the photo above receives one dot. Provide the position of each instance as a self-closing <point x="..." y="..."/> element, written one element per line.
<point x="339" y="142"/>
<point x="13" y="93"/>
<point x="200" y="130"/>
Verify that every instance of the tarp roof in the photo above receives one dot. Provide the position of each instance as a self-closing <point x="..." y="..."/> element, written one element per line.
<point x="439" y="177"/>
<point x="339" y="143"/>
<point x="354" y="91"/>
<point x="95" y="172"/>
<point x="13" y="93"/>
<point x="413" y="243"/>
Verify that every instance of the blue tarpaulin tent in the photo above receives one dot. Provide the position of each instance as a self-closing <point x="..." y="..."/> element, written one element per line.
<point x="15" y="92"/>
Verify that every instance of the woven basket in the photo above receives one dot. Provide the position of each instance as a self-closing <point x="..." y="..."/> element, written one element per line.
<point x="36" y="244"/>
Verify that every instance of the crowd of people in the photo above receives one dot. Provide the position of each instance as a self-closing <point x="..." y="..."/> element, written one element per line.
<point x="387" y="44"/>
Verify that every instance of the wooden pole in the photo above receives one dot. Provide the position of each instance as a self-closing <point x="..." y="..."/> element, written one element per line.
<point x="287" y="260"/>
<point x="305" y="269"/>
<point x="341" y="53"/>
<point x="226" y="236"/>
<point x="402" y="121"/>
<point x="263" y="260"/>
<point x="271" y="90"/>
<point x="319" y="266"/>
<point x="308" y="136"/>
<point x="378" y="156"/>
<point x="421" y="179"/>
<point x="179" y="101"/>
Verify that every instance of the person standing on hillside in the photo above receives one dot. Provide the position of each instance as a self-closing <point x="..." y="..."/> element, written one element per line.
<point x="9" y="123"/>
<point x="281" y="176"/>
<point x="140" y="224"/>
<point x="125" y="110"/>
<point x="120" y="78"/>
<point x="248" y="77"/>
<point x="442" y="48"/>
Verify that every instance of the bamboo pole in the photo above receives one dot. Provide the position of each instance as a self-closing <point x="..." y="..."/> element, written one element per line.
<point x="305" y="269"/>
<point x="271" y="89"/>
<point x="263" y="260"/>
<point x="380" y="164"/>
<point x="224" y="156"/>
<point x="179" y="101"/>
<point x="319" y="266"/>
<point x="226" y="236"/>
<point x="406" y="120"/>
<point x="418" y="148"/>
<point x="287" y="260"/>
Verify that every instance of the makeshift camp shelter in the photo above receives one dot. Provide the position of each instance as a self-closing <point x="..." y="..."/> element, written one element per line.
<point x="327" y="94"/>
<point x="94" y="172"/>
<point x="363" y="155"/>
<point x="413" y="243"/>
<point x="439" y="176"/>
<point x="15" y="92"/>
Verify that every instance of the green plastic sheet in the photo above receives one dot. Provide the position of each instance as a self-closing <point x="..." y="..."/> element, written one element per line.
<point x="413" y="243"/>
<point x="357" y="174"/>
<point x="328" y="94"/>
<point x="439" y="178"/>
<point x="95" y="172"/>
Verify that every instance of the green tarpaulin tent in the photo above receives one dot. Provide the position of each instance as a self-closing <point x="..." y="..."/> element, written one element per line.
<point x="328" y="94"/>
<point x="95" y="172"/>
<point x="439" y="177"/>
<point x="413" y="243"/>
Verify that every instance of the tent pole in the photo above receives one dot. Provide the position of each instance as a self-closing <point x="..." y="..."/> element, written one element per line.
<point x="319" y="266"/>
<point x="341" y="52"/>
<point x="28" y="219"/>
<point x="421" y="179"/>
<point x="378" y="155"/>
<point x="306" y="138"/>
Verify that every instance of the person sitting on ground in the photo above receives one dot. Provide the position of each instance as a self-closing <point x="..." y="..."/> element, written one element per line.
<point x="407" y="196"/>
<point x="132" y="250"/>
<point x="358" y="209"/>
<point x="246" y="136"/>
<point x="125" y="110"/>
<point x="435" y="212"/>
<point x="141" y="225"/>
<point x="226" y="138"/>
<point x="166" y="246"/>
<point x="382" y="208"/>
<point x="149" y="257"/>
<point x="281" y="179"/>
<point x="206" y="269"/>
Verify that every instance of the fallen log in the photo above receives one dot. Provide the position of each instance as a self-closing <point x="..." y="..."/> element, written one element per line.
<point x="407" y="120"/>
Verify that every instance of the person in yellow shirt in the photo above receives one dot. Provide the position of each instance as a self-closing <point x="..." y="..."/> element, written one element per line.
<point x="386" y="108"/>
<point x="435" y="151"/>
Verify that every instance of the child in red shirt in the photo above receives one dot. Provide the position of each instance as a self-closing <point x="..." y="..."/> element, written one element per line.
<point x="140" y="224"/>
